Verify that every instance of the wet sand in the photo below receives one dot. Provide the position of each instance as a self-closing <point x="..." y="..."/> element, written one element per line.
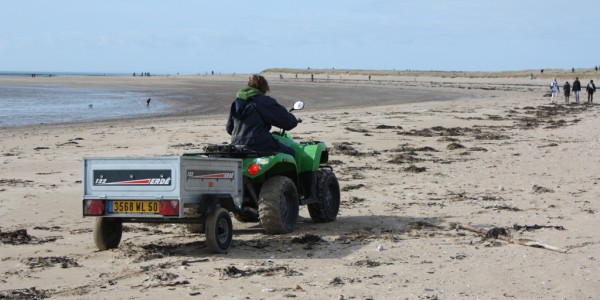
<point x="194" y="95"/>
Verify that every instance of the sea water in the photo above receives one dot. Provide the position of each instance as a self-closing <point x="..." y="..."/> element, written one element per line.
<point x="22" y="105"/>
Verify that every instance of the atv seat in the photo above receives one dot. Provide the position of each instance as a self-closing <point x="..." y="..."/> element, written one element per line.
<point x="229" y="151"/>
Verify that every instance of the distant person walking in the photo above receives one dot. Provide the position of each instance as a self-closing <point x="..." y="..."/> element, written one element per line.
<point x="148" y="101"/>
<point x="567" y="91"/>
<point x="591" y="89"/>
<point x="576" y="89"/>
<point x="555" y="89"/>
<point x="312" y="77"/>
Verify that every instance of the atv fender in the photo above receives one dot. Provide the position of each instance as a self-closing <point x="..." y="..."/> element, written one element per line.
<point x="279" y="163"/>
<point x="311" y="156"/>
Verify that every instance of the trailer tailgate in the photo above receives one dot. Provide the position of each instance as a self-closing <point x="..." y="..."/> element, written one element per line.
<point x="148" y="187"/>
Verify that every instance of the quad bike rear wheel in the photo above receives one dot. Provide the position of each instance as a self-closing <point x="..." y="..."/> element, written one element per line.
<point x="328" y="198"/>
<point x="278" y="205"/>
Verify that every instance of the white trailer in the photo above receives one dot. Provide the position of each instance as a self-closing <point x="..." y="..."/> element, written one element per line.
<point x="162" y="190"/>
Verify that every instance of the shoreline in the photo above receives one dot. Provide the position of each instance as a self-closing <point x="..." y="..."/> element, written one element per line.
<point x="212" y="95"/>
<point x="215" y="90"/>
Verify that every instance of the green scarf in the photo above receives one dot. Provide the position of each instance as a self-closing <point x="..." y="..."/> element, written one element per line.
<point x="247" y="93"/>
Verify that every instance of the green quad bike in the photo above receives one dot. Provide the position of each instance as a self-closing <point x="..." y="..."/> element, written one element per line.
<point x="275" y="184"/>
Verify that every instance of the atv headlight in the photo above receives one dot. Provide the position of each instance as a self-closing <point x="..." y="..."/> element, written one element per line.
<point x="262" y="161"/>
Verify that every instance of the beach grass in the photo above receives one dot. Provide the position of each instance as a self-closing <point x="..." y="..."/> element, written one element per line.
<point x="548" y="73"/>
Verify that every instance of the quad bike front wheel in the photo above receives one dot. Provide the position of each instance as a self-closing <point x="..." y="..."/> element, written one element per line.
<point x="218" y="231"/>
<point x="278" y="205"/>
<point x="107" y="233"/>
<point x="328" y="198"/>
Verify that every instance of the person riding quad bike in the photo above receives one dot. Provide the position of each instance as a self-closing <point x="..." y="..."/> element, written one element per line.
<point x="278" y="173"/>
<point x="253" y="113"/>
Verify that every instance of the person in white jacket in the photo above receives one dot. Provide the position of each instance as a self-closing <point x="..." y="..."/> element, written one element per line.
<point x="555" y="89"/>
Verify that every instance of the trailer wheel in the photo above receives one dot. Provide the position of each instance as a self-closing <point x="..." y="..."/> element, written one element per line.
<point x="328" y="198"/>
<point x="107" y="233"/>
<point x="219" y="231"/>
<point x="278" y="205"/>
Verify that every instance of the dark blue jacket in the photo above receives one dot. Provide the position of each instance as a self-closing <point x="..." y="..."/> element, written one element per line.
<point x="576" y="86"/>
<point x="250" y="119"/>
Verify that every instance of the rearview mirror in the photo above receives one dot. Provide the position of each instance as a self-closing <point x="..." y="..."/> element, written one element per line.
<point x="298" y="105"/>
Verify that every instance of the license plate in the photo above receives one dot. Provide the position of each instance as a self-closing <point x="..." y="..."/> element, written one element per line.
<point x="134" y="207"/>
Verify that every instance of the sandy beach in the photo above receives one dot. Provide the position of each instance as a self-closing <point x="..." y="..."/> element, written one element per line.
<point x="452" y="188"/>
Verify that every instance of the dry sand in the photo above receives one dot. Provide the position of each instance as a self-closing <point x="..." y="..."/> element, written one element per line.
<point x="418" y="181"/>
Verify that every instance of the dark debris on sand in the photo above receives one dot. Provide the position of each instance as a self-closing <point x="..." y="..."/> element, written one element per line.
<point x="48" y="228"/>
<point x="548" y="115"/>
<point x="454" y="146"/>
<point x="404" y="158"/>
<point x="491" y="136"/>
<point x="157" y="251"/>
<point x="495" y="232"/>
<point x="440" y="131"/>
<point x="502" y="207"/>
<point x="408" y="154"/>
<point x="414" y="169"/>
<point x="412" y="150"/>
<point x="345" y="148"/>
<point x="536" y="189"/>
<point x="335" y="162"/>
<point x="20" y="237"/>
<point x="536" y="227"/>
<point x="352" y="202"/>
<point x="307" y="238"/>
<point x="478" y="149"/>
<point x="234" y="272"/>
<point x="367" y="263"/>
<point x="353" y="187"/>
<point x="383" y="126"/>
<point x="50" y="261"/>
<point x="30" y="294"/>
<point x="16" y="237"/>
<point x="418" y="225"/>
<point x="532" y="117"/>
<point x="337" y="281"/>
<point x="257" y="244"/>
<point x="360" y="130"/>
<point x="448" y="139"/>
<point x="15" y="182"/>
<point x="186" y="146"/>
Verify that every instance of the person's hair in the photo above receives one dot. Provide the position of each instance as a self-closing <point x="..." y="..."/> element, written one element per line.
<point x="258" y="82"/>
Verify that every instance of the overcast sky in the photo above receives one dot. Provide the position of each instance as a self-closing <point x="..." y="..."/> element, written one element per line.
<point x="190" y="37"/>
